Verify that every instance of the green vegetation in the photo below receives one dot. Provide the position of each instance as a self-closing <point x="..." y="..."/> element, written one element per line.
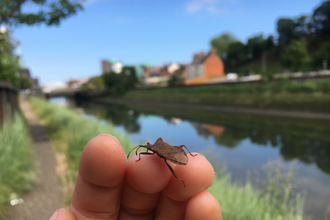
<point x="263" y="55"/>
<point x="118" y="84"/>
<point x="237" y="202"/>
<point x="291" y="95"/>
<point x="9" y="65"/>
<point x="276" y="201"/>
<point x="47" y="12"/>
<point x="70" y="132"/>
<point x="95" y="83"/>
<point x="16" y="173"/>
<point x="295" y="56"/>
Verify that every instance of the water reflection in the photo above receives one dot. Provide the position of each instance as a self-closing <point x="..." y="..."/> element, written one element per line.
<point x="291" y="139"/>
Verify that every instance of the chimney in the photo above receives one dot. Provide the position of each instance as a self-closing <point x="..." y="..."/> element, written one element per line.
<point x="195" y="56"/>
<point x="202" y="54"/>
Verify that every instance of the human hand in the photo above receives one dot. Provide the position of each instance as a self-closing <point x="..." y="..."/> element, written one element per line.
<point x="109" y="188"/>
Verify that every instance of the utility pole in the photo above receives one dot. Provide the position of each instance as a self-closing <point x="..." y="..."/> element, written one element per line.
<point x="264" y="62"/>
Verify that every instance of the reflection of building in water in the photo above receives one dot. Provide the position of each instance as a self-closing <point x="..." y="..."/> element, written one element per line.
<point x="176" y="120"/>
<point x="216" y="130"/>
<point x="206" y="130"/>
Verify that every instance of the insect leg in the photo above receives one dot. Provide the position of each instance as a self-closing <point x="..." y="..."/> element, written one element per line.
<point x="174" y="173"/>
<point x="188" y="150"/>
<point x="143" y="153"/>
<point x="132" y="150"/>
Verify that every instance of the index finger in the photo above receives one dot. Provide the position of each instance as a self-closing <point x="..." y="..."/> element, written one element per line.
<point x="101" y="172"/>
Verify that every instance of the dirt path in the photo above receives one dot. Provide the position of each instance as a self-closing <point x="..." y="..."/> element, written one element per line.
<point x="46" y="197"/>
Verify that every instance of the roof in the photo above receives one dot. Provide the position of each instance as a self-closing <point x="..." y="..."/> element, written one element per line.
<point x="200" y="58"/>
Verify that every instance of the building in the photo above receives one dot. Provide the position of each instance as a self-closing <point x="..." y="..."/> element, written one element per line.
<point x="204" y="67"/>
<point x="106" y="66"/>
<point x="111" y="66"/>
<point x="116" y="66"/>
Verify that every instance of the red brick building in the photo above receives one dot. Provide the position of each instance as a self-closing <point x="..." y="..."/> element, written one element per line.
<point x="204" y="67"/>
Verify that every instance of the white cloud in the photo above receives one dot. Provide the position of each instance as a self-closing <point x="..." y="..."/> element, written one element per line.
<point x="210" y="6"/>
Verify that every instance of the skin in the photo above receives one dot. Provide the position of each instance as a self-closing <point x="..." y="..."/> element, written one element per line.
<point x="110" y="188"/>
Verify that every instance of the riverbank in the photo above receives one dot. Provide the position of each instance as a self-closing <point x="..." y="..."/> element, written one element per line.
<point x="253" y="111"/>
<point x="307" y="96"/>
<point x="237" y="201"/>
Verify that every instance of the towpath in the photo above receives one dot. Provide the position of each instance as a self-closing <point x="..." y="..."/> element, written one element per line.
<point x="46" y="196"/>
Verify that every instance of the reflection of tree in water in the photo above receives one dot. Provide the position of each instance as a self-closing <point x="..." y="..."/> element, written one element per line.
<point x="118" y="115"/>
<point x="201" y="129"/>
<point x="121" y="115"/>
<point x="291" y="147"/>
<point x="308" y="151"/>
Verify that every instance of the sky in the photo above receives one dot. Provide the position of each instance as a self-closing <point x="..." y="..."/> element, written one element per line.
<point x="139" y="31"/>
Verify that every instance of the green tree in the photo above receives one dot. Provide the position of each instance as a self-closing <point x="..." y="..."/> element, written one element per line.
<point x="321" y="20"/>
<point x="9" y="63"/>
<point x="95" y="83"/>
<point x="118" y="84"/>
<point x="322" y="55"/>
<point x="24" y="82"/>
<point x="50" y="12"/>
<point x="295" y="56"/>
<point x="286" y="31"/>
<point x="221" y="44"/>
<point x="256" y="45"/>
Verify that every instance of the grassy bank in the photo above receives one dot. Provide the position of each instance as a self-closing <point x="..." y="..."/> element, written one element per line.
<point x="286" y="95"/>
<point x="237" y="202"/>
<point x="70" y="132"/>
<point x="16" y="163"/>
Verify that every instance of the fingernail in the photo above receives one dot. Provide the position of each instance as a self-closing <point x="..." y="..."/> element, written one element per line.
<point x="54" y="216"/>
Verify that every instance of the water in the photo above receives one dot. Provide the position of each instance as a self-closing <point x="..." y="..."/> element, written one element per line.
<point x="240" y="143"/>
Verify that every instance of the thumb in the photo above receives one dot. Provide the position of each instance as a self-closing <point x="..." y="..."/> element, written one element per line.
<point x="62" y="214"/>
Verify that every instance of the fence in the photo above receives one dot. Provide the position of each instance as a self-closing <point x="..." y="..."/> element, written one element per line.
<point x="8" y="101"/>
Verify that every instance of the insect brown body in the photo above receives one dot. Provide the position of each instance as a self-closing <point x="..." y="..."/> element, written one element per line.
<point x="166" y="151"/>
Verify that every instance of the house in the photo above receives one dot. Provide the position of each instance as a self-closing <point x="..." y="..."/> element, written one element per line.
<point x="111" y="66"/>
<point x="204" y="67"/>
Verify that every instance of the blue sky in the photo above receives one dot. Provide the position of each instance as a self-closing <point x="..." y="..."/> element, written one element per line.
<point x="137" y="31"/>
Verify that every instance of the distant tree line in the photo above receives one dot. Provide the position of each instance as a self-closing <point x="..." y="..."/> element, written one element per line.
<point x="303" y="43"/>
<point x="120" y="83"/>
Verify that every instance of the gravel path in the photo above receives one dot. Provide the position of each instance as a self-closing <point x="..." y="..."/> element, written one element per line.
<point x="46" y="197"/>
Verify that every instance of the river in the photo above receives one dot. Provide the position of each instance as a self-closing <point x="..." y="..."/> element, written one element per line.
<point x="241" y="144"/>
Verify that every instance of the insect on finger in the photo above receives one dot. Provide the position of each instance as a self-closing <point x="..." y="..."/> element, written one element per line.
<point x="166" y="151"/>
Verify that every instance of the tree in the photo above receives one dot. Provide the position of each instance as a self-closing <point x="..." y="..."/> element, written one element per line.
<point x="221" y="44"/>
<point x="24" y="82"/>
<point x="118" y="84"/>
<point x="256" y="45"/>
<point x="9" y="63"/>
<point x="322" y="55"/>
<point x="321" y="20"/>
<point x="295" y="56"/>
<point x="95" y="83"/>
<point x="50" y="12"/>
<point x="286" y="31"/>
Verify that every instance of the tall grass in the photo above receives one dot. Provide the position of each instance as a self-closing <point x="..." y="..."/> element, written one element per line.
<point x="70" y="132"/>
<point x="301" y="96"/>
<point x="237" y="202"/>
<point x="16" y="163"/>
